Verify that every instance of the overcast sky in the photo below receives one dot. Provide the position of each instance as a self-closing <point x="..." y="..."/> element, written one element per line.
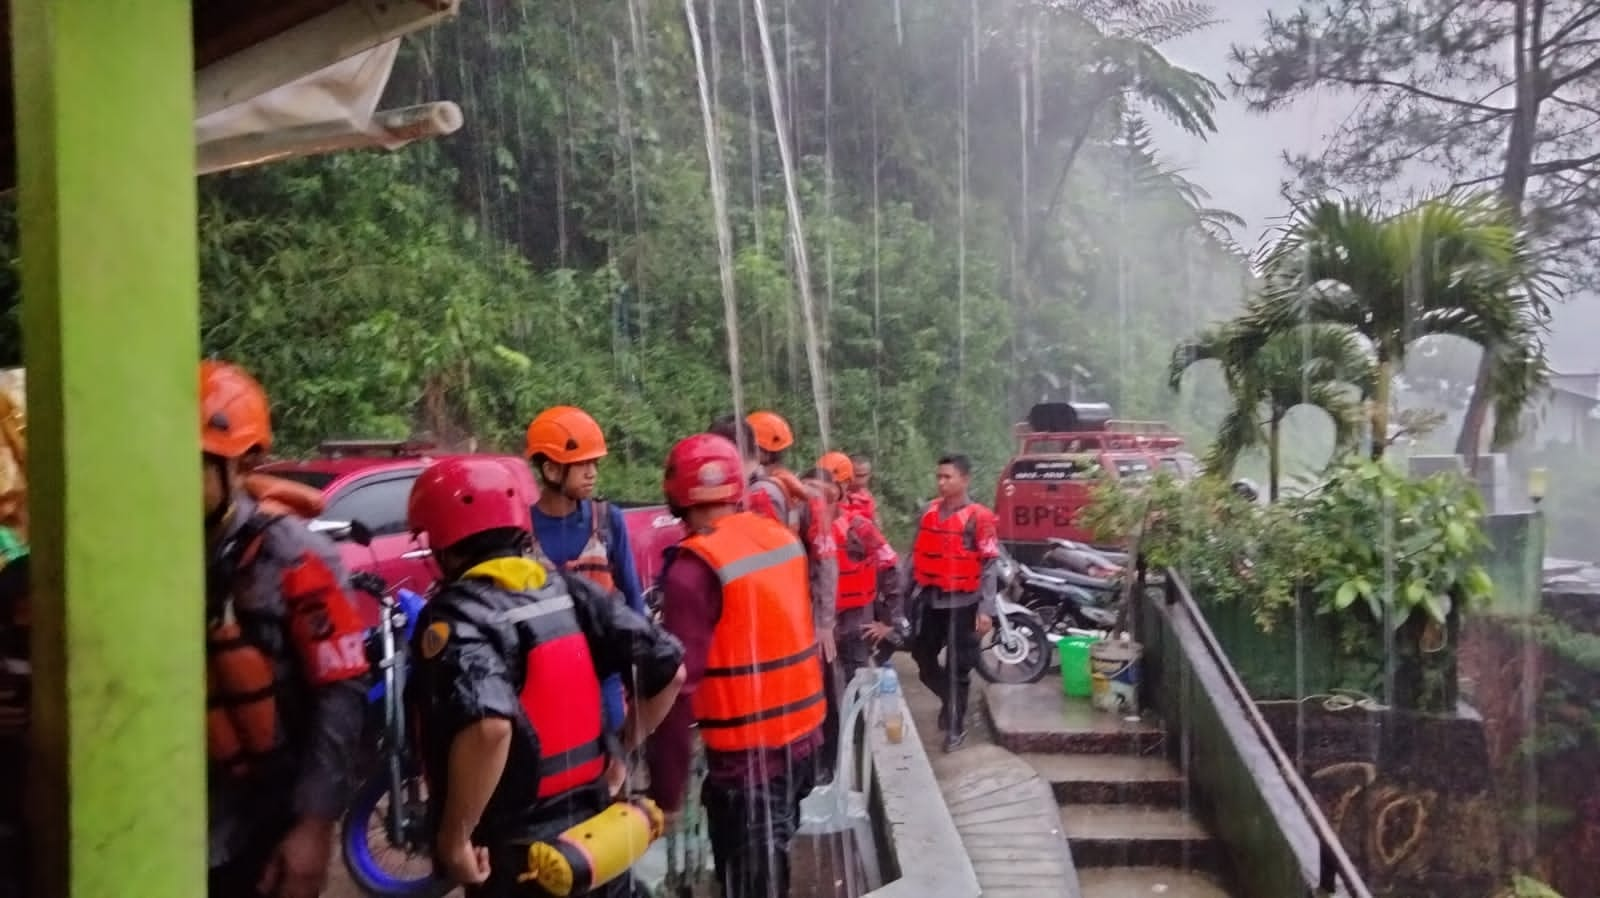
<point x="1241" y="166"/>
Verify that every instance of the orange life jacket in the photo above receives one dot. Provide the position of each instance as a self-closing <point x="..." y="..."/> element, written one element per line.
<point x="241" y="686"/>
<point x="324" y="632"/>
<point x="282" y="496"/>
<point x="594" y="562"/>
<point x="762" y="685"/>
<point x="945" y="555"/>
<point x="858" y="571"/>
<point x="560" y="691"/>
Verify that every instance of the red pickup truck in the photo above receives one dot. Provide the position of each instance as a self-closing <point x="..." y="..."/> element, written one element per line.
<point x="370" y="480"/>
<point x="1063" y="450"/>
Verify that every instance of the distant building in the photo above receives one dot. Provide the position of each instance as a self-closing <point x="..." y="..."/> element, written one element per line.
<point x="1568" y="413"/>
<point x="1565" y="413"/>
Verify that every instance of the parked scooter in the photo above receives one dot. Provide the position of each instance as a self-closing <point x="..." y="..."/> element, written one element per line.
<point x="1062" y="604"/>
<point x="1017" y="649"/>
<point x="1081" y="558"/>
<point x="1076" y="588"/>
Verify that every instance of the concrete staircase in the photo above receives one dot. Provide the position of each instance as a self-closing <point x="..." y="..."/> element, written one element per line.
<point x="1124" y="807"/>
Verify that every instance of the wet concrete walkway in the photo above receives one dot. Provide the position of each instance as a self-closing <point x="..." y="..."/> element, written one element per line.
<point x="1006" y="814"/>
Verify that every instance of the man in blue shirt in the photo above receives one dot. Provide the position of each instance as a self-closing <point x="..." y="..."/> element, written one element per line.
<point x="572" y="530"/>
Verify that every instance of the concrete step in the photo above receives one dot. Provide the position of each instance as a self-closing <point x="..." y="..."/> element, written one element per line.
<point x="1148" y="882"/>
<point x="1038" y="718"/>
<point x="1122" y="835"/>
<point x="1110" y="779"/>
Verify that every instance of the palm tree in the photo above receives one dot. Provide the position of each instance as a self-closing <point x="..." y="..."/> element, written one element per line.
<point x="1316" y="366"/>
<point x="1448" y="266"/>
<point x="1117" y="68"/>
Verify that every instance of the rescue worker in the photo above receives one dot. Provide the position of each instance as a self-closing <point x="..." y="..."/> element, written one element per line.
<point x="781" y="496"/>
<point x="506" y="682"/>
<point x="954" y="581"/>
<point x="862" y="552"/>
<point x="735" y="593"/>
<point x="286" y="666"/>
<point x="869" y="568"/>
<point x="572" y="530"/>
<point x="778" y="493"/>
<point x="858" y="495"/>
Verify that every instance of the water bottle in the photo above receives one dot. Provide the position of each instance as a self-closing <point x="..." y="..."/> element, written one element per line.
<point x="894" y="722"/>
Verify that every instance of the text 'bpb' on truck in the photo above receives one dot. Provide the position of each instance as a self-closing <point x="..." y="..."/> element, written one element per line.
<point x="1064" y="450"/>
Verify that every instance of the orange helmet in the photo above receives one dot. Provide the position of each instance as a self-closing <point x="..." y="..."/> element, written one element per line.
<point x="838" y="466"/>
<point x="566" y="435"/>
<point x="772" y="432"/>
<point x="234" y="418"/>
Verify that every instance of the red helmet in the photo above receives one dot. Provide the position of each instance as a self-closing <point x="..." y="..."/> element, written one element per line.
<point x="704" y="469"/>
<point x="455" y="498"/>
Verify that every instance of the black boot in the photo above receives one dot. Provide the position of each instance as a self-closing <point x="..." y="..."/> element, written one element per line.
<point x="954" y="737"/>
<point x="955" y="728"/>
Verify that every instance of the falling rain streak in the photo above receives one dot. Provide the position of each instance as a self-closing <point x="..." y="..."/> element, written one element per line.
<point x="797" y="236"/>
<point x="719" y="205"/>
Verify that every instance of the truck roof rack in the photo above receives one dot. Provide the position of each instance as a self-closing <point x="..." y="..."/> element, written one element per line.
<point x="362" y="448"/>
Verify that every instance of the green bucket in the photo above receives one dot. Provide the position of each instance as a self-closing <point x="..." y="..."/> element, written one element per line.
<point x="1076" y="678"/>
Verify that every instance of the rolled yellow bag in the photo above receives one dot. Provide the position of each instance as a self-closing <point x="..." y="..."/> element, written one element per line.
<point x="595" y="851"/>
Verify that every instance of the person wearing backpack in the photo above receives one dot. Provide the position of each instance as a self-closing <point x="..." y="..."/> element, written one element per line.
<point x="505" y="688"/>
<point x="572" y="530"/>
<point x="286" y="666"/>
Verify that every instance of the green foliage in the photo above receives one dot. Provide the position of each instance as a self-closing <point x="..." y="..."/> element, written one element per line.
<point x="1318" y="367"/>
<point x="1424" y="558"/>
<point x="1434" y="96"/>
<point x="1528" y="887"/>
<point x="1368" y="544"/>
<point x="1449" y="266"/>
<point x="561" y="247"/>
<point x="1357" y="584"/>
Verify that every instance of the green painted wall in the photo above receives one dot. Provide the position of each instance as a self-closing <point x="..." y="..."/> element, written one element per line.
<point x="105" y="140"/>
<point x="1515" y="560"/>
<point x="1220" y="764"/>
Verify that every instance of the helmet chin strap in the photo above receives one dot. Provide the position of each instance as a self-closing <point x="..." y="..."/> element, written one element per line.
<point x="560" y="485"/>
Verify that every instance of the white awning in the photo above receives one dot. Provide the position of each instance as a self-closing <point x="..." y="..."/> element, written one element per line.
<point x="315" y="89"/>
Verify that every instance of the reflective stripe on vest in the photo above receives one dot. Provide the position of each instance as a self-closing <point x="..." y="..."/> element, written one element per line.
<point x="858" y="571"/>
<point x="940" y="556"/>
<point x="762" y="685"/>
<point x="560" y="692"/>
<point x="594" y="561"/>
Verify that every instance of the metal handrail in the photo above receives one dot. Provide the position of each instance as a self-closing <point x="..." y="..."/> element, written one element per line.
<point x="1334" y="862"/>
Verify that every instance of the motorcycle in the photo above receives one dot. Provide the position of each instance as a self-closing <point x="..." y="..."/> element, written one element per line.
<point x="1081" y="558"/>
<point x="394" y="793"/>
<point x="1064" y="604"/>
<point x="1017" y="649"/>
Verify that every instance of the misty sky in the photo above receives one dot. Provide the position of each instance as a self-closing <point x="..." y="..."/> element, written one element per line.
<point x="1242" y="165"/>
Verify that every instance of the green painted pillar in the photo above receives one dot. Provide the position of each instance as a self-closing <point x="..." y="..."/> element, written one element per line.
<point x="105" y="139"/>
